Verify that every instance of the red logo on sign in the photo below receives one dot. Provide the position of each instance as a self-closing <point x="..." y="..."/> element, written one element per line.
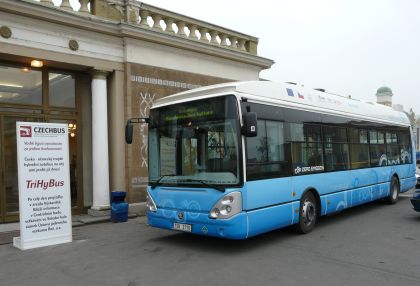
<point x="26" y="131"/>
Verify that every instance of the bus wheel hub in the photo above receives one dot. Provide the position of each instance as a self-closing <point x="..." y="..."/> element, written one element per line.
<point x="308" y="212"/>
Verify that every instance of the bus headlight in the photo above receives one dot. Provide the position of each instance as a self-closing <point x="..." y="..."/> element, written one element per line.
<point x="228" y="206"/>
<point x="150" y="204"/>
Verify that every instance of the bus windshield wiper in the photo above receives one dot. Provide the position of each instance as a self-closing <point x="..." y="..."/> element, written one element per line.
<point x="204" y="183"/>
<point x="155" y="183"/>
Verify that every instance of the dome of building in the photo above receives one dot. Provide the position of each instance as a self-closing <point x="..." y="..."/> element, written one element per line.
<point x="384" y="91"/>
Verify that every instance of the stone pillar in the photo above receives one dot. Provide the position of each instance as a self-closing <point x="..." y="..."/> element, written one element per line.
<point x="84" y="6"/>
<point x="181" y="26"/>
<point x="100" y="165"/>
<point x="65" y="4"/>
<point x="116" y="131"/>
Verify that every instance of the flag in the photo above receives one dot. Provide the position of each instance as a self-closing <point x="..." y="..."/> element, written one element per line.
<point x="300" y="95"/>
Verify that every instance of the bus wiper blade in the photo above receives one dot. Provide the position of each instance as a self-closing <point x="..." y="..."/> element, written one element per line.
<point x="220" y="189"/>
<point x="154" y="184"/>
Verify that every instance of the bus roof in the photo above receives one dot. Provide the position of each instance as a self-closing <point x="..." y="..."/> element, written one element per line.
<point x="297" y="97"/>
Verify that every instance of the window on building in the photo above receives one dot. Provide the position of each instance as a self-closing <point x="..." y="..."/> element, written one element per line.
<point x="62" y="90"/>
<point x="20" y="85"/>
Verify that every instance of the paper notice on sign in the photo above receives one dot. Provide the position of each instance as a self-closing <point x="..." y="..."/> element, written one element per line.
<point x="44" y="184"/>
<point x="167" y="156"/>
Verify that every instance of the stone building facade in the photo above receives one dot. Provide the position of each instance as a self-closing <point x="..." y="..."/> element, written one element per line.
<point x="98" y="64"/>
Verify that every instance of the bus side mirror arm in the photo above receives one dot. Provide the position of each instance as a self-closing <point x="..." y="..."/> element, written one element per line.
<point x="249" y="128"/>
<point x="129" y="128"/>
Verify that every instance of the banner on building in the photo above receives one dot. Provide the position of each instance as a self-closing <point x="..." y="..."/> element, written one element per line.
<point x="44" y="184"/>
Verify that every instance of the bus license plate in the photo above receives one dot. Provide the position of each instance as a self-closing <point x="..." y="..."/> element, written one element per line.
<point x="182" y="227"/>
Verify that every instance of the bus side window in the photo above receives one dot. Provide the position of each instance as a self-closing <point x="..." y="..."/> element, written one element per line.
<point x="266" y="153"/>
<point x="336" y="148"/>
<point x="359" y="148"/>
<point x="404" y="141"/>
<point x="307" y="154"/>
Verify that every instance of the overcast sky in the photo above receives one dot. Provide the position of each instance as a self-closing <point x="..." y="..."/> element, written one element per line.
<point x="350" y="47"/>
<point x="347" y="47"/>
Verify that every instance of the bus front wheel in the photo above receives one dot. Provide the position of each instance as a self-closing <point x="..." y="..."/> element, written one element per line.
<point x="394" y="191"/>
<point x="308" y="213"/>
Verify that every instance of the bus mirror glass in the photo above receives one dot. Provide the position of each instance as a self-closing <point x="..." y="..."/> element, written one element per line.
<point x="129" y="132"/>
<point x="249" y="128"/>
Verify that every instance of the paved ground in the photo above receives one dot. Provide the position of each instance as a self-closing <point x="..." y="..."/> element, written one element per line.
<point x="375" y="244"/>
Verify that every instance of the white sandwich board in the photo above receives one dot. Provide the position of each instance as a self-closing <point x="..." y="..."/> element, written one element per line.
<point x="44" y="184"/>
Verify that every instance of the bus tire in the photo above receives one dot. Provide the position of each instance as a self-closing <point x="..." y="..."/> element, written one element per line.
<point x="308" y="213"/>
<point x="394" y="191"/>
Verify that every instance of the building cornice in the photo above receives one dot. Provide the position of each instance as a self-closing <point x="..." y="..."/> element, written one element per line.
<point x="129" y="33"/>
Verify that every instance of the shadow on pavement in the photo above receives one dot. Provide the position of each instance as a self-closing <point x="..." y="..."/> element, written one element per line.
<point x="219" y="245"/>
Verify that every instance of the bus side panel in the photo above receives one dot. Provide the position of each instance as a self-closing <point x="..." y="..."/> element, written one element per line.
<point x="368" y="177"/>
<point x="370" y="193"/>
<point x="341" y="200"/>
<point x="305" y="182"/>
<point x="375" y="180"/>
<point x="264" y="193"/>
<point x="267" y="219"/>
<point x="407" y="184"/>
<point x="336" y="182"/>
<point x="407" y="176"/>
<point x="335" y="202"/>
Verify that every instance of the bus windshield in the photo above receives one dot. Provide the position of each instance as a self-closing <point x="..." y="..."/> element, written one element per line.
<point x="195" y="143"/>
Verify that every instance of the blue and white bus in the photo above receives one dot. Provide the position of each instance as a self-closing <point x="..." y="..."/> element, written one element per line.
<point x="239" y="159"/>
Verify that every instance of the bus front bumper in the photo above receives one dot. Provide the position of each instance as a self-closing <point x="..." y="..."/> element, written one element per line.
<point x="232" y="228"/>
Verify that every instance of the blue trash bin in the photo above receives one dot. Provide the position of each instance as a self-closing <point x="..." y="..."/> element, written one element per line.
<point x="119" y="208"/>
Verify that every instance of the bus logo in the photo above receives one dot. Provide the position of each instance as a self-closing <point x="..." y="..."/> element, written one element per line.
<point x="25" y="131"/>
<point x="180" y="215"/>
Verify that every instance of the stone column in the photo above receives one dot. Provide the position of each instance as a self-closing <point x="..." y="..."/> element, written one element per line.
<point x="116" y="131"/>
<point x="100" y="165"/>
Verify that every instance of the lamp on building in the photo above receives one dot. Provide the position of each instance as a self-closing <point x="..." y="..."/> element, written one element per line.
<point x="72" y="130"/>
<point x="37" y="63"/>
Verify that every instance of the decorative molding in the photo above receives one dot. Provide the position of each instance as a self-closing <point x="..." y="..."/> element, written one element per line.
<point x="73" y="45"/>
<point x="163" y="82"/>
<point x="5" y="32"/>
<point x="99" y="73"/>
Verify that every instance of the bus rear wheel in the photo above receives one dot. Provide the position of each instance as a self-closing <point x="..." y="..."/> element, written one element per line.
<point x="308" y="213"/>
<point x="394" y="191"/>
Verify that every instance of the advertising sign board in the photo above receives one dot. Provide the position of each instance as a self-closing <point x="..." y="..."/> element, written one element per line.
<point x="44" y="184"/>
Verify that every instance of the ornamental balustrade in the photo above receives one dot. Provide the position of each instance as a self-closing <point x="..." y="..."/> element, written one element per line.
<point x="144" y="16"/>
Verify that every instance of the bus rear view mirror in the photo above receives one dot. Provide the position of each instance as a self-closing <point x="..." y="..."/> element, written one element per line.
<point x="249" y="129"/>
<point x="129" y="128"/>
<point x="129" y="132"/>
